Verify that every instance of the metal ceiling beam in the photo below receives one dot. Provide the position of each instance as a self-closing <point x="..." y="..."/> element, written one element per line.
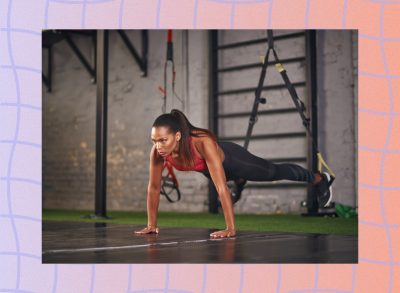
<point x="140" y="60"/>
<point x="80" y="56"/>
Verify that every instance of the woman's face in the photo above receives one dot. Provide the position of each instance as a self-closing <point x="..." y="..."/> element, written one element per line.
<point x="165" y="140"/>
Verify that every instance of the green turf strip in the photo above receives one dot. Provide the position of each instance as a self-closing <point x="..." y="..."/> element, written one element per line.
<point x="278" y="223"/>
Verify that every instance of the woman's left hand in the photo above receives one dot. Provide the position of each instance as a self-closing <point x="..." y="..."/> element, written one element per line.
<point x="223" y="234"/>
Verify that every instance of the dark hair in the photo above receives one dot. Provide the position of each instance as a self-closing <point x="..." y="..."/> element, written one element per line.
<point x="177" y="121"/>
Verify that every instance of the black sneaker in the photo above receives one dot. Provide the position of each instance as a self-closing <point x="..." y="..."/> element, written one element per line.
<point x="323" y="190"/>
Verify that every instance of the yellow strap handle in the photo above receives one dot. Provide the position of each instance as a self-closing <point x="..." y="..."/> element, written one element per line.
<point x="279" y="67"/>
<point x="321" y="162"/>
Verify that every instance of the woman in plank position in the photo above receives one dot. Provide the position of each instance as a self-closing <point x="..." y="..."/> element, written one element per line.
<point x="189" y="148"/>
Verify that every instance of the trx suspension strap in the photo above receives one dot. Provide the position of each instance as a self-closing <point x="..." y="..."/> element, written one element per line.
<point x="298" y="103"/>
<point x="169" y="182"/>
<point x="169" y="59"/>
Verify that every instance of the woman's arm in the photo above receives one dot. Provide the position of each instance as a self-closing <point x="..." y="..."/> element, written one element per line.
<point x="153" y="192"/>
<point x="210" y="153"/>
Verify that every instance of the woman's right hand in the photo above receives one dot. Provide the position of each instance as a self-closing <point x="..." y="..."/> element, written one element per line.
<point x="147" y="230"/>
<point x="223" y="234"/>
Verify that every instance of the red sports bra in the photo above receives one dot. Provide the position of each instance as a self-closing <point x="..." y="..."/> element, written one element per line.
<point x="199" y="164"/>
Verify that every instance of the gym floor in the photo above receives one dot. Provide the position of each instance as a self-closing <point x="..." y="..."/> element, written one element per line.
<point x="80" y="242"/>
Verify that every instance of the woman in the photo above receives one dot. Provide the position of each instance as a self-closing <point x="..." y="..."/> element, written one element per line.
<point x="189" y="148"/>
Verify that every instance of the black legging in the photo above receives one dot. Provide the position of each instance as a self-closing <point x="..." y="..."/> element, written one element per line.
<point x="241" y="164"/>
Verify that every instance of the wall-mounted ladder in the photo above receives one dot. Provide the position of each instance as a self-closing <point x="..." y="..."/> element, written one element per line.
<point x="218" y="117"/>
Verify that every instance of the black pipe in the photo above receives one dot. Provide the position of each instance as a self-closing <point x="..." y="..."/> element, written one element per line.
<point x="311" y="47"/>
<point x="101" y="124"/>
<point x="213" y="110"/>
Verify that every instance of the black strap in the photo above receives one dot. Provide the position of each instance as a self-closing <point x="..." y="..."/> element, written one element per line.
<point x="298" y="103"/>
<point x="169" y="59"/>
<point x="257" y="98"/>
<point x="296" y="100"/>
<point x="175" y="189"/>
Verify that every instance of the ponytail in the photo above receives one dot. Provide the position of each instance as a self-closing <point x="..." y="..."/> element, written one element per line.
<point x="177" y="121"/>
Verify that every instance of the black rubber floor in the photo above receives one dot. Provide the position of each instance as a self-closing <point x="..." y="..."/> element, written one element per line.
<point x="72" y="242"/>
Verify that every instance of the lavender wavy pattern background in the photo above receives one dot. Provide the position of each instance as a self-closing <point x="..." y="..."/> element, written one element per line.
<point x="21" y="22"/>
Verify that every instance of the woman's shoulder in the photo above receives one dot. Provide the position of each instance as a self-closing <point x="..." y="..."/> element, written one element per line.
<point x="202" y="142"/>
<point x="201" y="137"/>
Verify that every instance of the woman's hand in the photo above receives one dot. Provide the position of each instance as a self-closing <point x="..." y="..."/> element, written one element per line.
<point x="223" y="234"/>
<point x="148" y="230"/>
